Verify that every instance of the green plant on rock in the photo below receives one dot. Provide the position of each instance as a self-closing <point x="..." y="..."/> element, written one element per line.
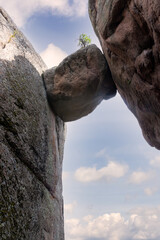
<point x="84" y="40"/>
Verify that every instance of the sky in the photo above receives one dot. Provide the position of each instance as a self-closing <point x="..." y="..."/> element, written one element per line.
<point x="111" y="180"/>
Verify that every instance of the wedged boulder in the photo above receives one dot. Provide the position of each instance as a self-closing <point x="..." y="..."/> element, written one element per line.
<point x="79" y="83"/>
<point x="31" y="144"/>
<point x="129" y="32"/>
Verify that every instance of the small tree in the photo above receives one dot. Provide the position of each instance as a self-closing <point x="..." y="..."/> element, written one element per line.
<point x="84" y="40"/>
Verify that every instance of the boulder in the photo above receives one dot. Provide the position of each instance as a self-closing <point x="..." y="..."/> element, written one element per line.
<point x="129" y="32"/>
<point x="79" y="83"/>
<point x="31" y="144"/>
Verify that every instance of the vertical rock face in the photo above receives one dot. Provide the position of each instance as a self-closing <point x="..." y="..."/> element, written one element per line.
<point x="31" y="144"/>
<point x="129" y="32"/>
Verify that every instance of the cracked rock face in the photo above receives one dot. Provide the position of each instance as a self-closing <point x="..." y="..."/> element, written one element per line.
<point x="79" y="84"/>
<point x="31" y="144"/>
<point x="129" y="32"/>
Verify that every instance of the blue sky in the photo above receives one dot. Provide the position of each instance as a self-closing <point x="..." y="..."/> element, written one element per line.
<point x="111" y="176"/>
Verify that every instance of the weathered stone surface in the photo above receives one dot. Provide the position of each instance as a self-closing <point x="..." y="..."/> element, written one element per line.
<point x="79" y="83"/>
<point x="129" y="32"/>
<point x="31" y="144"/>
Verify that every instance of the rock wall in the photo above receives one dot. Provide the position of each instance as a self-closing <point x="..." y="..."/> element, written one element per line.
<point x="31" y="144"/>
<point x="129" y="32"/>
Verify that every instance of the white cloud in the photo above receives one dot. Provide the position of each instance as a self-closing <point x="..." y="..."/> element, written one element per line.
<point x="68" y="208"/>
<point x="150" y="191"/>
<point x="65" y="175"/>
<point x="141" y="224"/>
<point x="20" y="10"/>
<point x="139" y="177"/>
<point x="155" y="162"/>
<point x="53" y="55"/>
<point x="101" y="153"/>
<point x="100" y="228"/>
<point x="112" y="170"/>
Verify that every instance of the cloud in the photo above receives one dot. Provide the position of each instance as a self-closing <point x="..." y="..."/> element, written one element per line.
<point x="140" y="224"/>
<point x="65" y="175"/>
<point x="150" y="191"/>
<point x="101" y="153"/>
<point x="112" y="170"/>
<point x="155" y="162"/>
<point x="139" y="177"/>
<point x="68" y="208"/>
<point x="53" y="55"/>
<point x="98" y="228"/>
<point x="20" y="10"/>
